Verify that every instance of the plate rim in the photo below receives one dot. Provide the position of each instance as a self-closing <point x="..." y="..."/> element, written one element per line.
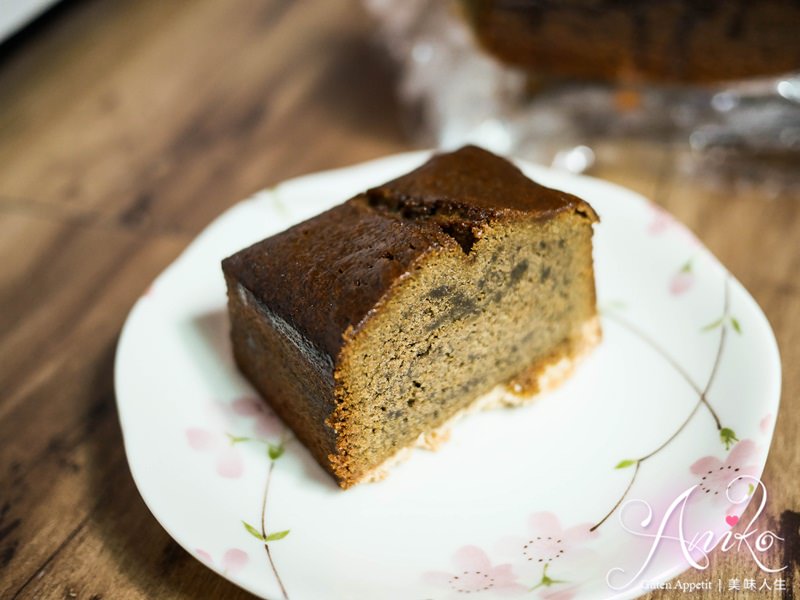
<point x="415" y="156"/>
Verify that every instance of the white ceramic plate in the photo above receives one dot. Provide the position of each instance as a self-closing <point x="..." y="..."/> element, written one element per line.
<point x="507" y="506"/>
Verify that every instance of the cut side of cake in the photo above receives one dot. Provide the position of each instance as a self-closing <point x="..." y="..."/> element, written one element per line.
<point x="460" y="285"/>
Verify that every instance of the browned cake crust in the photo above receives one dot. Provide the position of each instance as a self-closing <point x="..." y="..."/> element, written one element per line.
<point x="310" y="307"/>
<point x="664" y="40"/>
<point x="325" y="275"/>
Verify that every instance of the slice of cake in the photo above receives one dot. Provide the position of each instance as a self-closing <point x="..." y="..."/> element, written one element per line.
<point x="368" y="327"/>
<point x="640" y="40"/>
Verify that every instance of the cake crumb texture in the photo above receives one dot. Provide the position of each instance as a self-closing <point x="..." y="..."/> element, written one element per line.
<point x="370" y="326"/>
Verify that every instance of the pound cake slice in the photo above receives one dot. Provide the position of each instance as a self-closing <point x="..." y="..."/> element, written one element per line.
<point x="370" y="326"/>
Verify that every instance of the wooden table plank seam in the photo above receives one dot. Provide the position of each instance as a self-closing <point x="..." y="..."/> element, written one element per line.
<point x="41" y="568"/>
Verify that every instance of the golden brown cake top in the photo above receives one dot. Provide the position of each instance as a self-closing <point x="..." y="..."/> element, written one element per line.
<point x="325" y="276"/>
<point x="473" y="183"/>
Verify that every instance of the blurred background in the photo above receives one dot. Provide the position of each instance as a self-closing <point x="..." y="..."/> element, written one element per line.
<point x="560" y="82"/>
<point x="127" y="126"/>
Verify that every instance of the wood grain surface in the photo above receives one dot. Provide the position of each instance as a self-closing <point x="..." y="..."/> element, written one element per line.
<point x="127" y="126"/>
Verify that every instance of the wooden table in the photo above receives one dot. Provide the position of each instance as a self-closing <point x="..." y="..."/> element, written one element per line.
<point x="125" y="127"/>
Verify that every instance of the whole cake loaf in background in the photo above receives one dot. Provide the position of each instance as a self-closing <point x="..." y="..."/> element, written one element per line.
<point x="370" y="326"/>
<point x="661" y="40"/>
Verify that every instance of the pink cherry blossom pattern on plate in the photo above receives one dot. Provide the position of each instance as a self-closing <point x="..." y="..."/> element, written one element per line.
<point x="220" y="414"/>
<point x="715" y="475"/>
<point x="661" y="220"/>
<point x="201" y="439"/>
<point x="266" y="422"/>
<point x="549" y="543"/>
<point x="233" y="560"/>
<point x="765" y="423"/>
<point x="229" y="463"/>
<point x="558" y="593"/>
<point x="475" y="573"/>
<point x="227" y="459"/>
<point x="682" y="281"/>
